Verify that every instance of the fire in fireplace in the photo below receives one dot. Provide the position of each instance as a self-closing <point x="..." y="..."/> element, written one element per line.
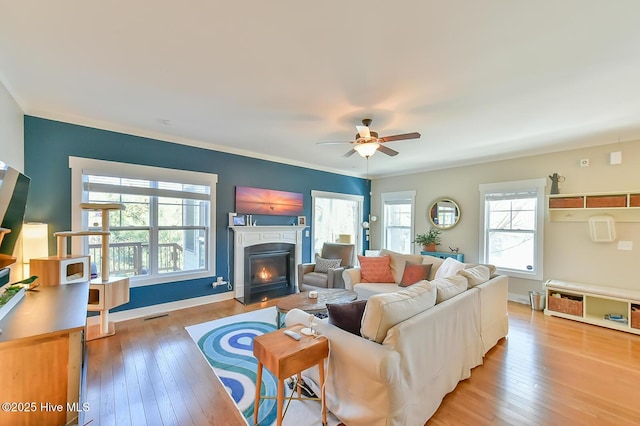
<point x="269" y="271"/>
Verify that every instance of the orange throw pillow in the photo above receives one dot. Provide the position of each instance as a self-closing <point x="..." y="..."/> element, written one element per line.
<point x="375" y="269"/>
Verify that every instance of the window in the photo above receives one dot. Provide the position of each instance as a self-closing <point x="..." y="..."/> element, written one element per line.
<point x="164" y="232"/>
<point x="336" y="219"/>
<point x="397" y="221"/>
<point x="512" y="214"/>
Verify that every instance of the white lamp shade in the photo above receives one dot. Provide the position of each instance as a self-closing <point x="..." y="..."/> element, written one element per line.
<point x="367" y="149"/>
<point x="35" y="241"/>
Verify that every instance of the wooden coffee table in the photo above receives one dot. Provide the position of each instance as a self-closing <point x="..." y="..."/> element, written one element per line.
<point x="313" y="306"/>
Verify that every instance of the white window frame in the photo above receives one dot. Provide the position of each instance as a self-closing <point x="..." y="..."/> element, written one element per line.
<point x="338" y="195"/>
<point x="80" y="166"/>
<point x="537" y="185"/>
<point x="389" y="198"/>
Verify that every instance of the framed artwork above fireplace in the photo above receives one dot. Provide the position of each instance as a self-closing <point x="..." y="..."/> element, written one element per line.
<point x="268" y="202"/>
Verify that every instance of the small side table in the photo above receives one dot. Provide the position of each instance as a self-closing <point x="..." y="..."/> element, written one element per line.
<point x="285" y="357"/>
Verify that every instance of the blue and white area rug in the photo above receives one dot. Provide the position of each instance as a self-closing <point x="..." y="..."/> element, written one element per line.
<point x="227" y="345"/>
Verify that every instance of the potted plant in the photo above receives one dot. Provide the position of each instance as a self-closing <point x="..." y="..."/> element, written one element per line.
<point x="429" y="240"/>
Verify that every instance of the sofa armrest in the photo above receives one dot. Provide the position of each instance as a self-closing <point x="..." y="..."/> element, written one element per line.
<point x="494" y="316"/>
<point x="351" y="277"/>
<point x="304" y="268"/>
<point x="334" y="278"/>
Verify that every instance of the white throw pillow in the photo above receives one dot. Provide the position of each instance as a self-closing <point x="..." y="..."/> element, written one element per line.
<point x="383" y="311"/>
<point x="476" y="275"/>
<point x="449" y="287"/>
<point x="449" y="267"/>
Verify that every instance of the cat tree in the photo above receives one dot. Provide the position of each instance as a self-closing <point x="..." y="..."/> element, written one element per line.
<point x="105" y="292"/>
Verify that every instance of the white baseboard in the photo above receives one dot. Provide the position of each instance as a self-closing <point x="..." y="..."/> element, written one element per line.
<point x="519" y="298"/>
<point x="166" y="307"/>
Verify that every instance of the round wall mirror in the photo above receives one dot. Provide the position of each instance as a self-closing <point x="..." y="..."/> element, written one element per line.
<point x="444" y="213"/>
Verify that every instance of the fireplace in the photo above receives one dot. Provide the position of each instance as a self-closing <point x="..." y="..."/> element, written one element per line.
<point x="269" y="271"/>
<point x="265" y="259"/>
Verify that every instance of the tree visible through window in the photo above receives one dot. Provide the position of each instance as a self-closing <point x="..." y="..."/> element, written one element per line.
<point x="513" y="227"/>
<point x="397" y="209"/>
<point x="163" y="230"/>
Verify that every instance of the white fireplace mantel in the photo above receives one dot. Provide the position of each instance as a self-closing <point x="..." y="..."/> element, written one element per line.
<point x="246" y="236"/>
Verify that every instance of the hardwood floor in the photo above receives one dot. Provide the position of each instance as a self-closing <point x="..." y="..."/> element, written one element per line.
<point x="547" y="371"/>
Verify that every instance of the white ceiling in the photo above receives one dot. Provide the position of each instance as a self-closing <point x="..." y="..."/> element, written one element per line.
<point x="479" y="79"/>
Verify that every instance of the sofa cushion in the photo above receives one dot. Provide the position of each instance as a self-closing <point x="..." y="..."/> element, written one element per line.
<point x="366" y="290"/>
<point x="375" y="269"/>
<point x="347" y="316"/>
<point x="398" y="261"/>
<point x="414" y="272"/>
<point x="435" y="263"/>
<point x="476" y="275"/>
<point x="449" y="267"/>
<point x="449" y="287"/>
<point x="323" y="265"/>
<point x="492" y="268"/>
<point x="383" y="311"/>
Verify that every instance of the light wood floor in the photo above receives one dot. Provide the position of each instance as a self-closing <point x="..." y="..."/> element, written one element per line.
<point x="547" y="371"/>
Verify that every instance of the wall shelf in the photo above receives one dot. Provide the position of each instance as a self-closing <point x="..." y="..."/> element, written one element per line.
<point x="623" y="206"/>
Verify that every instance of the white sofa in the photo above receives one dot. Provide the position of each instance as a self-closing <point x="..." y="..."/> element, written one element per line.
<point x="402" y="379"/>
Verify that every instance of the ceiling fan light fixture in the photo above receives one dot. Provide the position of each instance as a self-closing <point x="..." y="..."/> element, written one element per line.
<point x="367" y="149"/>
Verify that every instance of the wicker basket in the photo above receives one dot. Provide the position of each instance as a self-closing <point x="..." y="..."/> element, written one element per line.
<point x="565" y="305"/>
<point x="635" y="318"/>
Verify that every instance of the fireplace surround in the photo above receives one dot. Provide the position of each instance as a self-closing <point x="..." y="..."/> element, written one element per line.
<point x="255" y="247"/>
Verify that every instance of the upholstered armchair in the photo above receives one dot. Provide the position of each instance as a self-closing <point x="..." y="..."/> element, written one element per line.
<point x="326" y="272"/>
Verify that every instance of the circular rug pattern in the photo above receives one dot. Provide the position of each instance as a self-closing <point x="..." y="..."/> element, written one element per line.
<point x="229" y="350"/>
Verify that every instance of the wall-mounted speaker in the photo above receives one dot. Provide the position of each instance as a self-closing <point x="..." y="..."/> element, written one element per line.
<point x="602" y="229"/>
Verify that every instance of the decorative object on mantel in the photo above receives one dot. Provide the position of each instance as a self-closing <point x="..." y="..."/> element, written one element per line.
<point x="555" y="179"/>
<point x="454" y="249"/>
<point x="429" y="240"/>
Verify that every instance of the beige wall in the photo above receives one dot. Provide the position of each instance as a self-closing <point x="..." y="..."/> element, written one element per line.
<point x="569" y="254"/>
<point x="11" y="131"/>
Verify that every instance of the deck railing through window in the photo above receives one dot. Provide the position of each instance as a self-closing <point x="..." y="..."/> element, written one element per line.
<point x="132" y="259"/>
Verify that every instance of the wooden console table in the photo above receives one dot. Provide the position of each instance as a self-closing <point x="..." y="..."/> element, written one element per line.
<point x="443" y="255"/>
<point x="41" y="356"/>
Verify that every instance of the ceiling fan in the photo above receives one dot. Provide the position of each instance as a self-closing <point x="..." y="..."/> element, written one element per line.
<point x="367" y="141"/>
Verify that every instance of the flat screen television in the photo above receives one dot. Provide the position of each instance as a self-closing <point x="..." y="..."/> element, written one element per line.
<point x="14" y="187"/>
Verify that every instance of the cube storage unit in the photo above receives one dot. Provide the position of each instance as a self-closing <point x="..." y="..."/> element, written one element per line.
<point x="104" y="295"/>
<point x="55" y="270"/>
<point x="614" y="308"/>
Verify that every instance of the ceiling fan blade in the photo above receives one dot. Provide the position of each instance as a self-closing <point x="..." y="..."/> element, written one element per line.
<point x="385" y="150"/>
<point x="333" y="143"/>
<point x="350" y="153"/>
<point x="363" y="131"/>
<point x="414" y="135"/>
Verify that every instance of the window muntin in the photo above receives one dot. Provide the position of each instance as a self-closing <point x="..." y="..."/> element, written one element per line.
<point x="166" y="227"/>
<point x="397" y="221"/>
<point x="512" y="231"/>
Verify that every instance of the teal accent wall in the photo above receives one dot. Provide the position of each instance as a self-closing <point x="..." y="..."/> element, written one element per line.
<point x="48" y="145"/>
